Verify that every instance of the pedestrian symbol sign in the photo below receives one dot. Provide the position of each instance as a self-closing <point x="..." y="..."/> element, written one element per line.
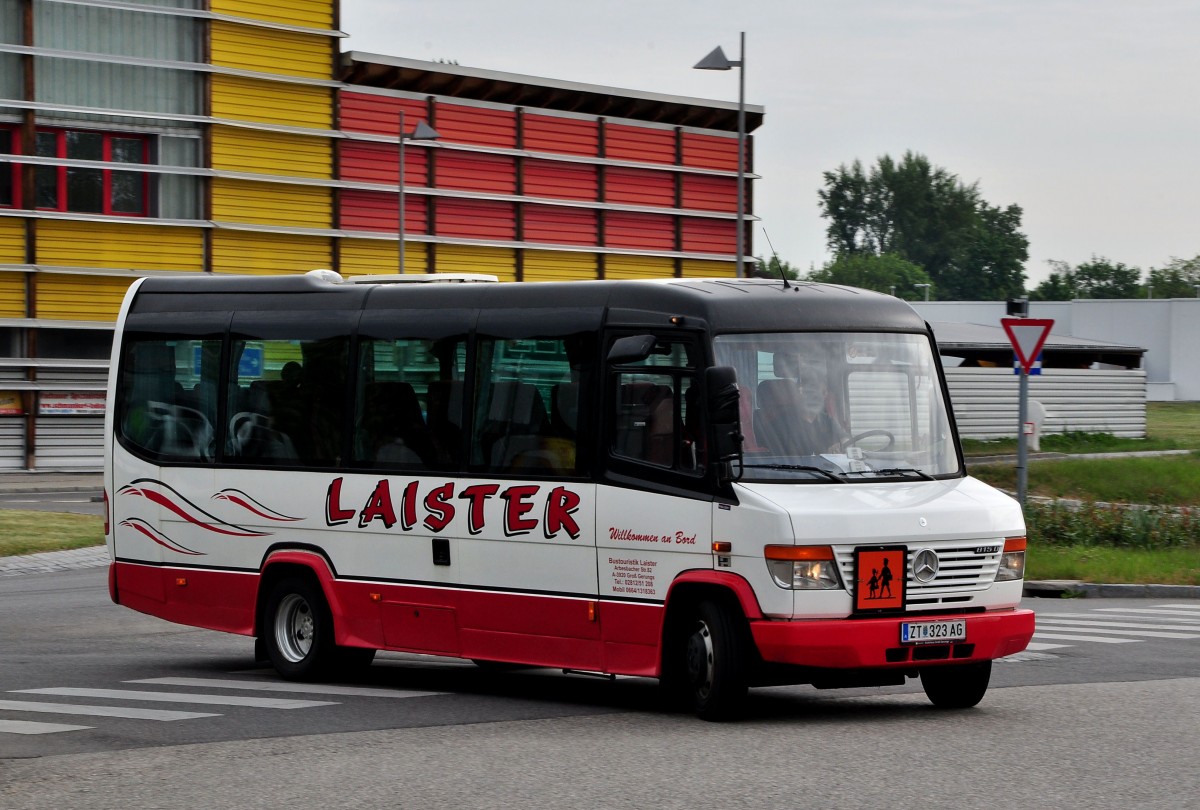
<point x="1027" y="335"/>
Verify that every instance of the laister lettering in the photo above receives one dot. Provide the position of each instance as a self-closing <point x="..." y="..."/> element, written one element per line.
<point x="517" y="505"/>
<point x="441" y="511"/>
<point x="477" y="494"/>
<point x="561" y="504"/>
<point x="379" y="505"/>
<point x="335" y="515"/>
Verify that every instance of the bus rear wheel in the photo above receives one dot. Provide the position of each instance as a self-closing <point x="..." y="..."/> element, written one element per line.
<point x="713" y="672"/>
<point x="299" y="630"/>
<point x="957" y="686"/>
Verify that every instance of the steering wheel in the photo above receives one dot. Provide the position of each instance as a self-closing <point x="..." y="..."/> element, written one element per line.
<point x="866" y="434"/>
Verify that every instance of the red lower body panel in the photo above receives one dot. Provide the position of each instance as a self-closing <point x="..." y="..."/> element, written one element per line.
<point x="871" y="643"/>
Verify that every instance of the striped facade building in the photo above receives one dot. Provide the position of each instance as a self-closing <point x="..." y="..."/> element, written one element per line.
<point x="143" y="137"/>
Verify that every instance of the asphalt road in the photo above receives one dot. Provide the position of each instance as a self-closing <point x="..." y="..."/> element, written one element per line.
<point x="83" y="503"/>
<point x="1101" y="713"/>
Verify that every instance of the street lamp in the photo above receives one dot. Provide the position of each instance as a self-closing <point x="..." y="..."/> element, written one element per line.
<point x="422" y="132"/>
<point x="718" y="61"/>
<point x="926" y="286"/>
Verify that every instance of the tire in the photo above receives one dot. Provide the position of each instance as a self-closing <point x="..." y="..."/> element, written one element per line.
<point x="956" y="687"/>
<point x="712" y="662"/>
<point x="298" y="630"/>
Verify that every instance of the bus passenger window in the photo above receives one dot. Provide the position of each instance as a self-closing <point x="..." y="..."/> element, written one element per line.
<point x="658" y="420"/>
<point x="286" y="401"/>
<point x="408" y="406"/>
<point x="527" y="405"/>
<point x="166" y="403"/>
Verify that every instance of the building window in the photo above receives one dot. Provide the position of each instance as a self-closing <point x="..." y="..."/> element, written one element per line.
<point x="92" y="190"/>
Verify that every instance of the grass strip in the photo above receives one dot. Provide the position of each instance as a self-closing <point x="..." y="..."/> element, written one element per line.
<point x="1097" y="564"/>
<point x="29" y="532"/>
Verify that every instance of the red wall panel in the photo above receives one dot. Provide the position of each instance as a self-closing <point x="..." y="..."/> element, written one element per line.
<point x="571" y="136"/>
<point x="639" y="186"/>
<point x="633" y="230"/>
<point x="379" y="115"/>
<point x="623" y="142"/>
<point x="474" y="171"/>
<point x="476" y="125"/>
<point x="376" y="211"/>
<point x="708" y="193"/>
<point x="376" y="163"/>
<point x="568" y="181"/>
<point x="710" y="151"/>
<point x="560" y="226"/>
<point x="709" y="235"/>
<point x="475" y="219"/>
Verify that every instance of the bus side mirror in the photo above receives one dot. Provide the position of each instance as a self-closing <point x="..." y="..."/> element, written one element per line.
<point x="723" y="404"/>
<point x="632" y="349"/>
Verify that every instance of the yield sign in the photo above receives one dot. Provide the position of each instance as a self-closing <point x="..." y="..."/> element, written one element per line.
<point x="1027" y="336"/>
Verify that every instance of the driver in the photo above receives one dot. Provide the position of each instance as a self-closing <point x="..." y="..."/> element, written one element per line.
<point x="818" y="431"/>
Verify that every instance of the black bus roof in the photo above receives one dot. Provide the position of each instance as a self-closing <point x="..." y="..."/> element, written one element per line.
<point x="721" y="305"/>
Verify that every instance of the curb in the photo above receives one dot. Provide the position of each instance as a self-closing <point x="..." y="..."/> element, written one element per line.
<point x="1074" y="589"/>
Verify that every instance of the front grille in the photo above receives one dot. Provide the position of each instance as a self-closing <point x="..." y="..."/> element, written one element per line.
<point x="962" y="571"/>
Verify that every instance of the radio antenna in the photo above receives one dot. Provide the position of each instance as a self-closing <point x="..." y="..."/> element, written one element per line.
<point x="778" y="263"/>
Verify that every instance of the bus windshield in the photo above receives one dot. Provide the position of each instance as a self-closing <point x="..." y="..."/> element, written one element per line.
<point x="822" y="406"/>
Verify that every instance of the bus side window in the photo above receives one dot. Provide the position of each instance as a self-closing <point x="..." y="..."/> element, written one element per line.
<point x="527" y="405"/>
<point x="166" y="408"/>
<point x="657" y="419"/>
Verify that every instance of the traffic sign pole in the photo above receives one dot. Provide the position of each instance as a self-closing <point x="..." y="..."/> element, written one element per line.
<point x="1027" y="336"/>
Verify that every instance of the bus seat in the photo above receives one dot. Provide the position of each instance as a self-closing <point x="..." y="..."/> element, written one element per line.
<point x="515" y="412"/>
<point x="564" y="408"/>
<point x="443" y="409"/>
<point x="645" y="422"/>
<point x="392" y="422"/>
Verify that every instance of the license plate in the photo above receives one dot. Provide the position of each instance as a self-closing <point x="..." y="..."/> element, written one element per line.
<point x="933" y="632"/>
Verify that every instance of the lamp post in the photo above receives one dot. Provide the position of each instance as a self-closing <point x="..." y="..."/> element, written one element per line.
<point x="926" y="286"/>
<point x="717" y="60"/>
<point x="422" y="132"/>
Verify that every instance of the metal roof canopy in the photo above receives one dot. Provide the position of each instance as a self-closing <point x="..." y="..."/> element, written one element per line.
<point x="455" y="81"/>
<point x="983" y="342"/>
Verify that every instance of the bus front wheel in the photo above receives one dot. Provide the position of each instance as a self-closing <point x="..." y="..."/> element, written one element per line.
<point x="958" y="686"/>
<point x="714" y="669"/>
<point x="299" y="630"/>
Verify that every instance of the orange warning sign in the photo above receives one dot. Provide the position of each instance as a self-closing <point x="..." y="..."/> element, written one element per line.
<point x="880" y="574"/>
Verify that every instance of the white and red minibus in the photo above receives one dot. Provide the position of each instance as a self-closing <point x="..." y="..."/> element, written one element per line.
<point x="717" y="483"/>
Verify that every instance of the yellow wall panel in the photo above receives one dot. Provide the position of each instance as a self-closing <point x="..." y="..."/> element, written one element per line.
<point x="303" y="13"/>
<point x="63" y="296"/>
<point x="12" y="240"/>
<point x="272" y="203"/>
<point x="265" y="254"/>
<point x="624" y="267"/>
<point x="375" y="257"/>
<point x="266" y="50"/>
<point x="270" y="102"/>
<point x="551" y="265"/>
<point x="251" y="150"/>
<point x="12" y="295"/>
<point x="698" y="268"/>
<point x="500" y="262"/>
<point x="63" y="243"/>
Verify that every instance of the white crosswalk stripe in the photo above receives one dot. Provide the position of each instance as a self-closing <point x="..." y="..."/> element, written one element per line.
<point x="1118" y="625"/>
<point x="201" y="692"/>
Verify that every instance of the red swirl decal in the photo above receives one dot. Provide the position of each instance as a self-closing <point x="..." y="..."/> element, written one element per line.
<point x="191" y="513"/>
<point x="158" y="537"/>
<point x="236" y="496"/>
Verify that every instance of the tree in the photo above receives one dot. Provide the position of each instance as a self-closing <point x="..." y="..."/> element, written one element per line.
<point x="1098" y="278"/>
<point x="887" y="274"/>
<point x="775" y="268"/>
<point x="925" y="215"/>
<point x="1178" y="279"/>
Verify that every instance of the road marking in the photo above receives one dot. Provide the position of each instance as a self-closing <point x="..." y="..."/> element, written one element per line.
<point x="101" y="711"/>
<point x="1186" y="614"/>
<point x="1131" y="625"/>
<point x="278" y="686"/>
<point x="178" y="697"/>
<point x="1100" y="627"/>
<point x="1100" y="639"/>
<point x="30" y="727"/>
<point x="1163" y="621"/>
<point x="1037" y="645"/>
<point x="1195" y="608"/>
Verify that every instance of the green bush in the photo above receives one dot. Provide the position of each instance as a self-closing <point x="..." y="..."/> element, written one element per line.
<point x="1058" y="524"/>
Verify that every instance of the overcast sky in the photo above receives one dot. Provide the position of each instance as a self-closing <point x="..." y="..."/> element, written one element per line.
<point x="1086" y="113"/>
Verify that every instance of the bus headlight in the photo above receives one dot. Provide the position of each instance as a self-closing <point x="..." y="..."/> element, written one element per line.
<point x="803" y="568"/>
<point x="1012" y="562"/>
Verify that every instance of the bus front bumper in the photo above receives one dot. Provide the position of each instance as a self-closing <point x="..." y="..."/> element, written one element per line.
<point x="876" y="642"/>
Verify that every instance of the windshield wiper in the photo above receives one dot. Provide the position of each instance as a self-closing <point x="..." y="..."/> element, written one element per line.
<point x="799" y="468"/>
<point x="895" y="471"/>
